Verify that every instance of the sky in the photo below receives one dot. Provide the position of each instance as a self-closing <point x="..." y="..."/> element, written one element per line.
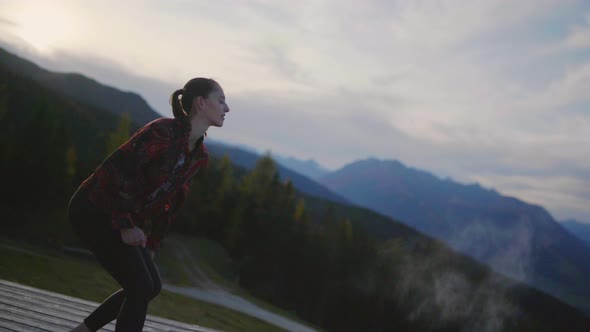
<point x="489" y="91"/>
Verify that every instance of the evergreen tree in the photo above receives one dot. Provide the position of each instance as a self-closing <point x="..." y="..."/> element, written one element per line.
<point x="120" y="135"/>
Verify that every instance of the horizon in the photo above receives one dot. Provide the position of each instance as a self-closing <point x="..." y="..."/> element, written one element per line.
<point x="490" y="93"/>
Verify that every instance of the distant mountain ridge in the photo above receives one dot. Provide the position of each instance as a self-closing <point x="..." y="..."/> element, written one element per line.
<point x="515" y="238"/>
<point x="309" y="168"/>
<point x="84" y="89"/>
<point x="579" y="229"/>
<point x="247" y="159"/>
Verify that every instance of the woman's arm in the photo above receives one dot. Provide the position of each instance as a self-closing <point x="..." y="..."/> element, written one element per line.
<point x="121" y="177"/>
<point x="161" y="224"/>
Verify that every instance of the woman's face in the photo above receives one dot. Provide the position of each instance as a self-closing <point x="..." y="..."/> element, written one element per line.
<point x="214" y="107"/>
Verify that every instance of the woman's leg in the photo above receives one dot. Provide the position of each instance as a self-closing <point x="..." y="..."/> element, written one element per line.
<point x="154" y="273"/>
<point x="130" y="266"/>
<point x="139" y="280"/>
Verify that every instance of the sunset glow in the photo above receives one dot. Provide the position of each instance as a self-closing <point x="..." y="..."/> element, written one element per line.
<point x="47" y="26"/>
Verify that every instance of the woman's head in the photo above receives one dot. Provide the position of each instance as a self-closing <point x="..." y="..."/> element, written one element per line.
<point x="202" y="97"/>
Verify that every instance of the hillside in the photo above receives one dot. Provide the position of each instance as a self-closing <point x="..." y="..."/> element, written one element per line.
<point x="83" y="89"/>
<point x="518" y="239"/>
<point x="579" y="229"/>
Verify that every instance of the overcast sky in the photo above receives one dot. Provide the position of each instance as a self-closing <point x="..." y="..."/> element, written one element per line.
<point x="488" y="91"/>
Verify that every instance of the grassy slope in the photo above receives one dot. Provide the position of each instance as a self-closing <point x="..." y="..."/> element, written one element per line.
<point x="81" y="278"/>
<point x="216" y="264"/>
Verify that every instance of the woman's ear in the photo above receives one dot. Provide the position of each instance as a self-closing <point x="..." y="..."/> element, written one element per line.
<point x="200" y="101"/>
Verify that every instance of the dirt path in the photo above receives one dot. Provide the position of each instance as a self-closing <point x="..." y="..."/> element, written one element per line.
<point x="206" y="290"/>
<point x="198" y="278"/>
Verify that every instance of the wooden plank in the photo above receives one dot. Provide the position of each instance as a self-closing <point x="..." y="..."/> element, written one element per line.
<point x="43" y="320"/>
<point x="54" y="310"/>
<point x="16" y="300"/>
<point x="31" y="325"/>
<point x="22" y="296"/>
<point x="10" y="326"/>
<point x="29" y="306"/>
<point x="37" y="316"/>
<point x="39" y="306"/>
<point x="43" y="294"/>
<point x="69" y="314"/>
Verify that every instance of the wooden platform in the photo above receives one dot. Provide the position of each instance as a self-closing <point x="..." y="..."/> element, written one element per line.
<point x="24" y="308"/>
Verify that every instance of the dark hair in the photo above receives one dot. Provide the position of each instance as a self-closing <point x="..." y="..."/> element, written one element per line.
<point x="196" y="87"/>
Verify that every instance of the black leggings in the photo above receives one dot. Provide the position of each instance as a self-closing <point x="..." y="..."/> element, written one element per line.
<point x="131" y="266"/>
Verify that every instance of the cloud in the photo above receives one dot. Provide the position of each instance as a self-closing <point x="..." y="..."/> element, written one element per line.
<point x="579" y="36"/>
<point x="559" y="94"/>
<point x="279" y="58"/>
<point x="305" y="129"/>
<point x="561" y="194"/>
<point x="481" y="91"/>
<point x="7" y="22"/>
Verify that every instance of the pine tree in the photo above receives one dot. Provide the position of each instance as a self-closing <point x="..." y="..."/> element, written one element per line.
<point x="120" y="135"/>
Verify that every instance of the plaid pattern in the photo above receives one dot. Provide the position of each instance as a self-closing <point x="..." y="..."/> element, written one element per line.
<point x="144" y="182"/>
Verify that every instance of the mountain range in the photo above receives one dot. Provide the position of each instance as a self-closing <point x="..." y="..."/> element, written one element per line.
<point x="247" y="159"/>
<point x="309" y="168"/>
<point x="518" y="239"/>
<point x="579" y="229"/>
<point x="515" y="238"/>
<point x="84" y="89"/>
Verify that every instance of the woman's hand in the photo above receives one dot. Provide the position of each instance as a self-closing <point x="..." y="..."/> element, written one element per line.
<point x="133" y="236"/>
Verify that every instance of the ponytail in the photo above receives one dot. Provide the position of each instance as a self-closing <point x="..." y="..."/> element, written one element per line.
<point x="177" y="108"/>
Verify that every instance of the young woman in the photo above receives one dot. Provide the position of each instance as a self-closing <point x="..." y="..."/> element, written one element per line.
<point x="123" y="210"/>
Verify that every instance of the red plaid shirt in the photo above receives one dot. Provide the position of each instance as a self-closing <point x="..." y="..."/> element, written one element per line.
<point x="145" y="181"/>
